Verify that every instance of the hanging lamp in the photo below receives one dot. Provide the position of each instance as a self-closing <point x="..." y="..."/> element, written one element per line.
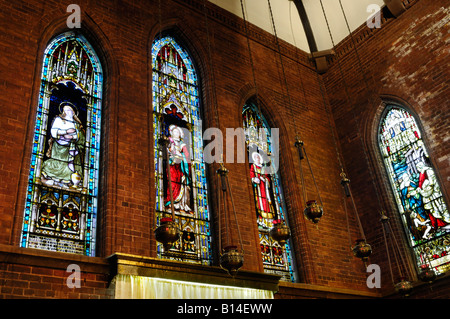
<point x="279" y="232"/>
<point x="231" y="259"/>
<point x="427" y="274"/>
<point x="313" y="210"/>
<point x="403" y="286"/>
<point x="361" y="248"/>
<point x="167" y="232"/>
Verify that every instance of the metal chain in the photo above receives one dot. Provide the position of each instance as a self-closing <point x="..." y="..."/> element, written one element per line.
<point x="349" y="100"/>
<point x="217" y="123"/>
<point x="251" y="59"/>
<point x="213" y="77"/>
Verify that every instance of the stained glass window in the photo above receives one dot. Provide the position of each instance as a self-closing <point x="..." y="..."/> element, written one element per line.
<point x="268" y="194"/>
<point x="417" y="192"/>
<point x="62" y="192"/>
<point x="176" y="114"/>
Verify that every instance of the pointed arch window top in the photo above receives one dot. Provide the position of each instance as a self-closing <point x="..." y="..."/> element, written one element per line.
<point x="70" y="57"/>
<point x="171" y="59"/>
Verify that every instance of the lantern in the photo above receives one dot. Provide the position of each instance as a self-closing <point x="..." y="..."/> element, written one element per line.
<point x="231" y="260"/>
<point x="427" y="274"/>
<point x="362" y="249"/>
<point x="167" y="233"/>
<point x="280" y="232"/>
<point x="404" y="287"/>
<point x="313" y="211"/>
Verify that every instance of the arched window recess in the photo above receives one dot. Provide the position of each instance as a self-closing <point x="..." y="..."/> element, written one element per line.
<point x="62" y="192"/>
<point x="416" y="189"/>
<point x="181" y="181"/>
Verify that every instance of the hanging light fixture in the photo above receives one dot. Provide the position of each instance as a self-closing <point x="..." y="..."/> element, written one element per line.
<point x="167" y="232"/>
<point x="279" y="232"/>
<point x="313" y="210"/>
<point x="427" y="274"/>
<point x="361" y="248"/>
<point x="231" y="259"/>
<point x="403" y="286"/>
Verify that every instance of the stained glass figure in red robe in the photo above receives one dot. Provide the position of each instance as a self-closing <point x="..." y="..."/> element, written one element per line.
<point x="262" y="184"/>
<point x="180" y="167"/>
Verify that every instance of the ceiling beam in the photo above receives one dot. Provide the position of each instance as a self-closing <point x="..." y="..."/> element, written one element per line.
<point x="319" y="57"/>
<point x="306" y="25"/>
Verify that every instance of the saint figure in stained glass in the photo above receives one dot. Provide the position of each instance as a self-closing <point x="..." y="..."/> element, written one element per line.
<point x="416" y="188"/>
<point x="177" y="116"/>
<point x="61" y="204"/>
<point x="66" y="148"/>
<point x="262" y="186"/>
<point x="180" y="167"/>
<point x="267" y="194"/>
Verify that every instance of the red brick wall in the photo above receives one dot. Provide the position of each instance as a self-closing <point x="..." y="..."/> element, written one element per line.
<point x="404" y="62"/>
<point x="122" y="34"/>
<point x="31" y="273"/>
<point x="19" y="281"/>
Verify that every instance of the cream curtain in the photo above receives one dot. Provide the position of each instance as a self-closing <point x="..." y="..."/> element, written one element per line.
<point x="139" y="287"/>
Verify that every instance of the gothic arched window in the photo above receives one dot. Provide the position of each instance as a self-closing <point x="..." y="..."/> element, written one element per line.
<point x="177" y="115"/>
<point x="268" y="193"/>
<point x="423" y="211"/>
<point x="62" y="194"/>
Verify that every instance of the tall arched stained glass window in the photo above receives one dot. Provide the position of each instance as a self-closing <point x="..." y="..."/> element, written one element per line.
<point x="177" y="115"/>
<point x="417" y="192"/>
<point x="268" y="194"/>
<point x="62" y="194"/>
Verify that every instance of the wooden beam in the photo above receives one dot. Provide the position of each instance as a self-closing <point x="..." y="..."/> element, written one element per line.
<point x="306" y="25"/>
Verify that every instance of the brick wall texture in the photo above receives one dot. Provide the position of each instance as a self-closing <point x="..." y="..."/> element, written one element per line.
<point x="337" y="113"/>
